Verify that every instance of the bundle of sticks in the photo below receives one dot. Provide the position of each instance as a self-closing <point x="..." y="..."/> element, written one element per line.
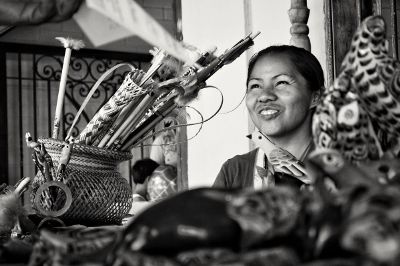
<point x="145" y="98"/>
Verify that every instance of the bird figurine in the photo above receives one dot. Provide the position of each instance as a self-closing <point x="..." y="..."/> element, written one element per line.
<point x="341" y="122"/>
<point x="332" y="164"/>
<point x="375" y="75"/>
<point x="281" y="160"/>
<point x="359" y="115"/>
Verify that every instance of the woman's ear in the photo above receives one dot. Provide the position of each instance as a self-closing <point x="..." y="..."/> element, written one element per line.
<point x="316" y="97"/>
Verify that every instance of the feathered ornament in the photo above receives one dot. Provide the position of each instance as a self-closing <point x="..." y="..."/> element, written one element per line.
<point x="71" y="43"/>
<point x="191" y="87"/>
<point x="167" y="66"/>
<point x="10" y="207"/>
<point x="208" y="64"/>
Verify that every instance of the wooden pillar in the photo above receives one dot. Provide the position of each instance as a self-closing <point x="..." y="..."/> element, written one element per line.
<point x="298" y="16"/>
<point x="182" y="167"/>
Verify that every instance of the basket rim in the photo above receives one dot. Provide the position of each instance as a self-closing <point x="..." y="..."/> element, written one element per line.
<point x="121" y="155"/>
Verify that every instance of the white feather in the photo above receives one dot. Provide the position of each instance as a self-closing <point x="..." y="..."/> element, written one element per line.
<point x="71" y="43"/>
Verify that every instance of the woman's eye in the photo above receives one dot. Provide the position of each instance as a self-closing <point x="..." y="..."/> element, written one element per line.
<point x="254" y="86"/>
<point x="281" y="82"/>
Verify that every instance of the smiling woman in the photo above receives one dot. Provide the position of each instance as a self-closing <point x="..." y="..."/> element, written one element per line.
<point x="284" y="84"/>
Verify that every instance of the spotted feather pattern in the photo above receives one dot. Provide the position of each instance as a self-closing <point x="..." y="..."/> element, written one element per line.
<point x="341" y="123"/>
<point x="359" y="114"/>
<point x="375" y="75"/>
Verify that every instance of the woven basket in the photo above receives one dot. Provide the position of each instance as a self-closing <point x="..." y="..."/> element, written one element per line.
<point x="100" y="195"/>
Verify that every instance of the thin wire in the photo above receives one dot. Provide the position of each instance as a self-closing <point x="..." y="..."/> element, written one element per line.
<point x="236" y="107"/>
<point x="189" y="124"/>
<point x="179" y="125"/>
<point x="265" y="136"/>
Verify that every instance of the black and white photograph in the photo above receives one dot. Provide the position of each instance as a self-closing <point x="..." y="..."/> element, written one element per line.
<point x="199" y="133"/>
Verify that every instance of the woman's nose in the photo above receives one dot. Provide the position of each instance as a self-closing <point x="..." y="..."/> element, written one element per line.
<point x="267" y="95"/>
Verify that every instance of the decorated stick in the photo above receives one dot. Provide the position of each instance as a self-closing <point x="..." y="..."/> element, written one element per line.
<point x="166" y="104"/>
<point x="164" y="92"/>
<point x="157" y="107"/>
<point x="116" y="104"/>
<point x="135" y="116"/>
<point x="133" y="124"/>
<point x="157" y="61"/>
<point x="128" y="91"/>
<point x="124" y="114"/>
<point x="69" y="45"/>
<point x="109" y="127"/>
<point x="148" y="125"/>
<point x="120" y="125"/>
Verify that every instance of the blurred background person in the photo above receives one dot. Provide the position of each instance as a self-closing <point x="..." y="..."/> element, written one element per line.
<point x="140" y="173"/>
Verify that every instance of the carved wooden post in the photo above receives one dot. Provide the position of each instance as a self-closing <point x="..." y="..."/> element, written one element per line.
<point x="298" y="16"/>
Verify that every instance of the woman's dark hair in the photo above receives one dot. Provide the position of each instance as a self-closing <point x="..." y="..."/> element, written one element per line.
<point x="305" y="63"/>
<point x="142" y="169"/>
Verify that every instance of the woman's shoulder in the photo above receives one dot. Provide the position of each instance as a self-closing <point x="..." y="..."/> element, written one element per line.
<point x="237" y="172"/>
<point x="249" y="156"/>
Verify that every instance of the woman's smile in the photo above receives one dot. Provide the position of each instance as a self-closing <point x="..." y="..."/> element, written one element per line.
<point x="268" y="112"/>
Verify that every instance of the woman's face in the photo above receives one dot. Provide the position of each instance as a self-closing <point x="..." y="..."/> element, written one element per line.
<point x="278" y="97"/>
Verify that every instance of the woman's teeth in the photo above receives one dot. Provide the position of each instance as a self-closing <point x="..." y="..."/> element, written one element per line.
<point x="268" y="112"/>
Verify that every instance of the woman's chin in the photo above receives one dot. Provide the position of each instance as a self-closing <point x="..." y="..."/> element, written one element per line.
<point x="270" y="131"/>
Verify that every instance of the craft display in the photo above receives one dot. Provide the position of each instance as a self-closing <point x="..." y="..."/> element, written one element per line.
<point x="349" y="216"/>
<point x="78" y="181"/>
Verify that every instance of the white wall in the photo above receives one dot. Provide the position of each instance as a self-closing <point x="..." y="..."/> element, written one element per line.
<point x="222" y="23"/>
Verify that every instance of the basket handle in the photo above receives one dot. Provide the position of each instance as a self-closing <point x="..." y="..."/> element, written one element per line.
<point x="91" y="92"/>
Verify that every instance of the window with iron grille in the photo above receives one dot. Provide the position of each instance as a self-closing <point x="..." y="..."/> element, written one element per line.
<point x="29" y="80"/>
